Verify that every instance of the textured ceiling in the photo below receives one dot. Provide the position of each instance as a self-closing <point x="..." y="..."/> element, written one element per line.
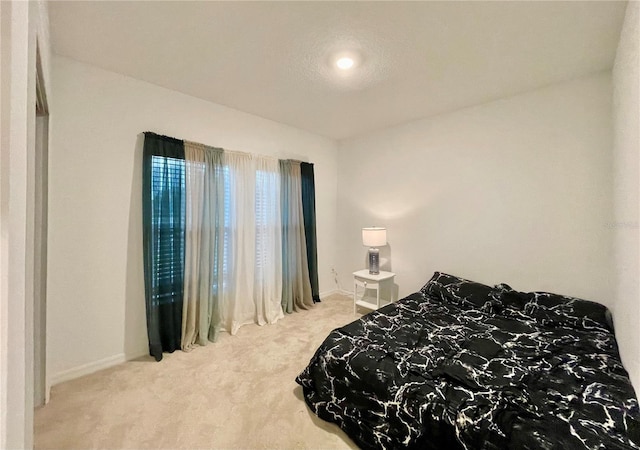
<point x="275" y="59"/>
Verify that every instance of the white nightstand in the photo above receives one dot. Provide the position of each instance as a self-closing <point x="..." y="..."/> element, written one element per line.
<point x="364" y="280"/>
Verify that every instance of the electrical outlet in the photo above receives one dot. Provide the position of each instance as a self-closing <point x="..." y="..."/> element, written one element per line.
<point x="335" y="277"/>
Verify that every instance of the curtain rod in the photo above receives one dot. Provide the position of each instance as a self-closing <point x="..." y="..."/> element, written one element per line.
<point x="162" y="136"/>
<point x="298" y="161"/>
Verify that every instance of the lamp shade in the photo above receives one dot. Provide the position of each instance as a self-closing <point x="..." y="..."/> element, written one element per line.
<point x="374" y="236"/>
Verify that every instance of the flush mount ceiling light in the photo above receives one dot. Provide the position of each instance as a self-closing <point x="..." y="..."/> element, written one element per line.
<point x="345" y="63"/>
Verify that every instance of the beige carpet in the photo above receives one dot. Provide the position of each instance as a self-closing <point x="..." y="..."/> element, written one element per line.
<point x="237" y="393"/>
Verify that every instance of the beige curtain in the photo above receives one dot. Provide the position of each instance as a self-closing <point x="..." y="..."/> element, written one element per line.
<point x="203" y="236"/>
<point x="296" y="285"/>
<point x="238" y="249"/>
<point x="267" y="286"/>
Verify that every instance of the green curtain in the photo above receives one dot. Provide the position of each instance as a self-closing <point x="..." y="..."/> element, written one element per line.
<point x="163" y="221"/>
<point x="309" y="214"/>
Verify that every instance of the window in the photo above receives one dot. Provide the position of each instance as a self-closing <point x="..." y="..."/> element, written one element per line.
<point x="167" y="237"/>
<point x="168" y="188"/>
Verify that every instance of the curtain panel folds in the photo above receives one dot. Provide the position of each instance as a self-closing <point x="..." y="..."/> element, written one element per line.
<point x="296" y="285"/>
<point x="267" y="286"/>
<point x="309" y="214"/>
<point x="163" y="204"/>
<point x="229" y="239"/>
<point x="236" y="305"/>
<point x="204" y="238"/>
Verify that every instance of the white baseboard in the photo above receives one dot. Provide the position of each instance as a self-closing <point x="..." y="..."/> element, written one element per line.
<point x="86" y="369"/>
<point x="335" y="291"/>
<point x="136" y="355"/>
<point x="328" y="293"/>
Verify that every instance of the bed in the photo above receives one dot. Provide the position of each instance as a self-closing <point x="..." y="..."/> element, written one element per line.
<point x="463" y="365"/>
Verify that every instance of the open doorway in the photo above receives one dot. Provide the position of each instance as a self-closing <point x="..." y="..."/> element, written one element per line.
<point x="40" y="239"/>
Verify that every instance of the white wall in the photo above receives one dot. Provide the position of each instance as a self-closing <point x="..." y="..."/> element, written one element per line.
<point x="626" y="116"/>
<point x="23" y="27"/>
<point x="517" y="191"/>
<point x="96" y="312"/>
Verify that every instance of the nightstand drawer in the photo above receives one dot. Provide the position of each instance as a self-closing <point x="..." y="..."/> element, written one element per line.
<point x="366" y="284"/>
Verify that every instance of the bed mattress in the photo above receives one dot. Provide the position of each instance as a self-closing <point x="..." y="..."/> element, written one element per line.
<point x="463" y="365"/>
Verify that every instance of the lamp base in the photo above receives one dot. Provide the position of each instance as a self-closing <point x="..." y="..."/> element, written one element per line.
<point x="374" y="261"/>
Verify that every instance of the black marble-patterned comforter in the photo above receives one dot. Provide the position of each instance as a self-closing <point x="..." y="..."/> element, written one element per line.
<point x="464" y="365"/>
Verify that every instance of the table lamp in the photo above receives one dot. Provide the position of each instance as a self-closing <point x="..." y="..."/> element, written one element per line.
<point x="374" y="237"/>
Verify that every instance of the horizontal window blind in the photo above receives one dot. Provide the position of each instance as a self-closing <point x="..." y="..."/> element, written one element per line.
<point x="167" y="196"/>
